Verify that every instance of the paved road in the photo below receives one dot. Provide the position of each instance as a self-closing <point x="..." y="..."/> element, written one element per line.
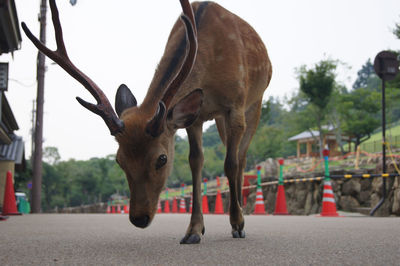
<point x="101" y="239"/>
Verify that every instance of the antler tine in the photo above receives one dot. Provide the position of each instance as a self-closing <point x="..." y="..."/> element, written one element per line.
<point x="191" y="35"/>
<point x="60" y="56"/>
<point x="188" y="11"/>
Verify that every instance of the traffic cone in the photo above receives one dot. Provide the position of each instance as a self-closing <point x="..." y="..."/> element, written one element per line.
<point x="108" y="209"/>
<point x="118" y="208"/>
<point x="219" y="209"/>
<point x="159" y="207"/>
<point x="112" y="209"/>
<point x="205" y="205"/>
<point x="174" y="206"/>
<point x="259" y="208"/>
<point x="280" y="203"/>
<point x="191" y="204"/>
<point x="126" y="208"/>
<point x="328" y="201"/>
<point x="166" y="207"/>
<point x="182" y="206"/>
<point x="9" y="204"/>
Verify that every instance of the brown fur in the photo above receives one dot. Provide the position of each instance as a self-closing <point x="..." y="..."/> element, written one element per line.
<point x="233" y="69"/>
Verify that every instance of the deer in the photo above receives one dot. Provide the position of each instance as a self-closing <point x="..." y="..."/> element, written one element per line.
<point x="214" y="67"/>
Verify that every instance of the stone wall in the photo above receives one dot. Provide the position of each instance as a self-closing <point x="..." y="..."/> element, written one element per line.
<point x="352" y="195"/>
<point x="305" y="198"/>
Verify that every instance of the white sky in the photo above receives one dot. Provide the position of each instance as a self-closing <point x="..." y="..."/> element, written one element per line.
<point x="122" y="41"/>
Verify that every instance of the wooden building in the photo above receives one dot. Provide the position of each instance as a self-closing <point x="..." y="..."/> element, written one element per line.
<point x="307" y="143"/>
<point x="12" y="156"/>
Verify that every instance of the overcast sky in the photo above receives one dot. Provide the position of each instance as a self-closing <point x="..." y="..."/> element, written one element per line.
<point x="122" y="41"/>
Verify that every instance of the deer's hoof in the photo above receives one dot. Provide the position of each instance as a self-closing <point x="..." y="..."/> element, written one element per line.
<point x="238" y="234"/>
<point x="190" y="239"/>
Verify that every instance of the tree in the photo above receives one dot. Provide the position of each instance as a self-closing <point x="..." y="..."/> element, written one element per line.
<point x="360" y="112"/>
<point x="364" y="75"/>
<point x="317" y="85"/>
<point x="396" y="30"/>
<point x="272" y="112"/>
<point x="51" y="155"/>
<point x="334" y="117"/>
<point x="267" y="143"/>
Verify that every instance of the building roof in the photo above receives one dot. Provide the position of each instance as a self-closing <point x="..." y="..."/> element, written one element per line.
<point x="10" y="35"/>
<point x="308" y="134"/>
<point x="14" y="151"/>
<point x="305" y="135"/>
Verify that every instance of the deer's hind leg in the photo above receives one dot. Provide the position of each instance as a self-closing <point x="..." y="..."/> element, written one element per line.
<point x="238" y="134"/>
<point x="252" y="120"/>
<point x="234" y="129"/>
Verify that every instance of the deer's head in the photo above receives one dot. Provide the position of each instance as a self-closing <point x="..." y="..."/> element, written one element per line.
<point x="145" y="135"/>
<point x="146" y="149"/>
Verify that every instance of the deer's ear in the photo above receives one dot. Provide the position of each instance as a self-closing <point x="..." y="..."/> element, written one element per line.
<point x="186" y="111"/>
<point x="124" y="99"/>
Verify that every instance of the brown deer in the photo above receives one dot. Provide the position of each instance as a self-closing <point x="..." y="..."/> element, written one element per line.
<point x="215" y="66"/>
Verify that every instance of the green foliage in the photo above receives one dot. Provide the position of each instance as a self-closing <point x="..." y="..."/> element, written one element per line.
<point x="396" y="30"/>
<point x="73" y="183"/>
<point x="211" y="137"/>
<point x="181" y="171"/>
<point x="318" y="83"/>
<point x="317" y="86"/>
<point x="364" y="75"/>
<point x="267" y="143"/>
<point x="359" y="111"/>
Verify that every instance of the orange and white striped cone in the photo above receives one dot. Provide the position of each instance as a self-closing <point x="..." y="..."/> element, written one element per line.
<point x="205" y="200"/>
<point x="182" y="206"/>
<point x="174" y="206"/>
<point x="119" y="209"/>
<point x="259" y="207"/>
<point x="280" y="203"/>
<point x="205" y="205"/>
<point x="108" y="208"/>
<point x="159" y="207"/>
<point x="191" y="204"/>
<point x="219" y="208"/>
<point x="126" y="208"/>
<point x="328" y="201"/>
<point x="166" y="206"/>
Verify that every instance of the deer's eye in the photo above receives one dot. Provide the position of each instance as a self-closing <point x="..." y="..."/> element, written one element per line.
<point x="161" y="161"/>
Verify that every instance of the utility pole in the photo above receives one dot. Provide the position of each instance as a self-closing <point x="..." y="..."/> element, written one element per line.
<point x="33" y="131"/>
<point x="37" y="159"/>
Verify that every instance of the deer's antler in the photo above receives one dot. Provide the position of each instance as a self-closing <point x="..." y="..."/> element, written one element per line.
<point x="191" y="35"/>
<point x="103" y="107"/>
<point x="155" y="126"/>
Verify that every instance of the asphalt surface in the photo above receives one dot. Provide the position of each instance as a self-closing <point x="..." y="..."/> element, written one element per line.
<point x="110" y="239"/>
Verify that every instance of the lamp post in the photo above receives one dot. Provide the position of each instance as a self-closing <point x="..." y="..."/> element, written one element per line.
<point x="386" y="67"/>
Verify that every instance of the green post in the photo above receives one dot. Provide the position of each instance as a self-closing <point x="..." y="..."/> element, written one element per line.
<point x="280" y="180"/>
<point x="205" y="186"/>
<point x="258" y="176"/>
<point x="182" y="190"/>
<point x="166" y="193"/>
<point x="325" y="153"/>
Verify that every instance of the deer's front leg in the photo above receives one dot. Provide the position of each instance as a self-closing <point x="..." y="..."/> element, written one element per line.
<point x="196" y="159"/>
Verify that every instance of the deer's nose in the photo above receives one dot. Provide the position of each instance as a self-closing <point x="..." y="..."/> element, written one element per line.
<point x="142" y="221"/>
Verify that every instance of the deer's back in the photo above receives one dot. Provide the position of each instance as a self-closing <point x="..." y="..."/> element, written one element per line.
<point x="232" y="65"/>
